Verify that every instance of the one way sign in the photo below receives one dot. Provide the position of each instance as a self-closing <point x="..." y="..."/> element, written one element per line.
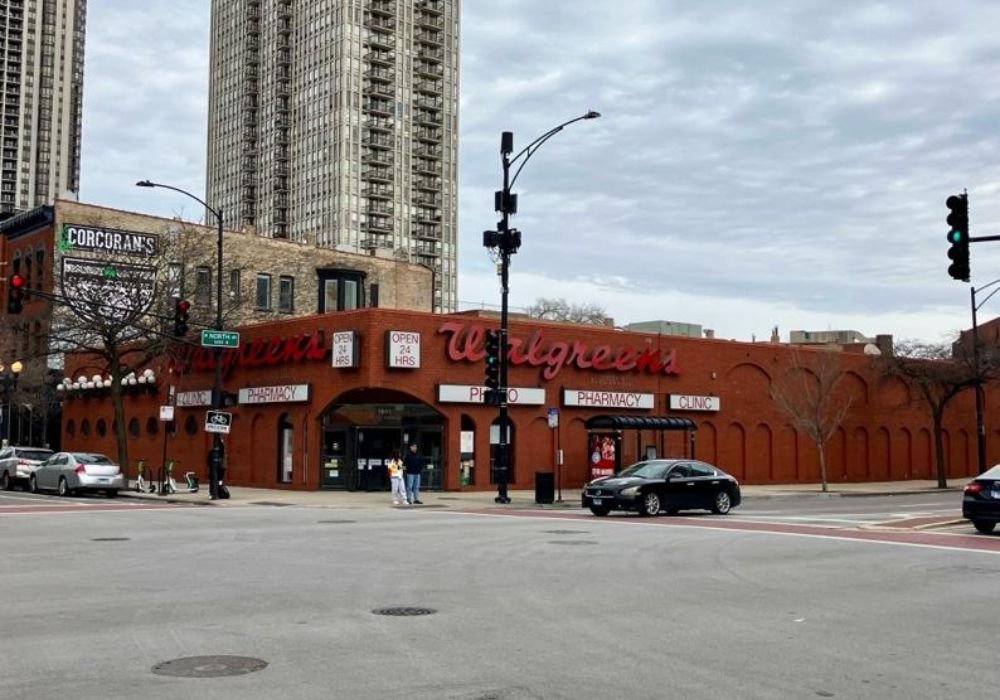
<point x="218" y="421"/>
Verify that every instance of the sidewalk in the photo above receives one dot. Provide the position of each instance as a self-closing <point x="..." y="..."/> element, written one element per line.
<point x="242" y="495"/>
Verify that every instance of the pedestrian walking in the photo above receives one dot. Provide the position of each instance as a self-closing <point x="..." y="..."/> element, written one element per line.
<point x="395" y="466"/>
<point x="412" y="468"/>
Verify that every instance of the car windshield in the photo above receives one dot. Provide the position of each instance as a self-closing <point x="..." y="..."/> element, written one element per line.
<point x="646" y="470"/>
<point x="84" y="458"/>
<point x="36" y="455"/>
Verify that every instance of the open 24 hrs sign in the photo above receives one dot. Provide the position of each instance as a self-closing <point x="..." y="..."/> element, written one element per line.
<point x="402" y="349"/>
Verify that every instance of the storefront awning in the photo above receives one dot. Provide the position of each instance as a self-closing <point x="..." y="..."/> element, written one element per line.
<point x="625" y="422"/>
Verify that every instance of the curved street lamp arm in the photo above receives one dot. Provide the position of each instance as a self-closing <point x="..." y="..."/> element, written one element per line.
<point x="150" y="183"/>
<point x="528" y="150"/>
<point x="983" y="289"/>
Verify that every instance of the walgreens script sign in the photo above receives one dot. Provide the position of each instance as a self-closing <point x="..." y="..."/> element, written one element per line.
<point x="465" y="343"/>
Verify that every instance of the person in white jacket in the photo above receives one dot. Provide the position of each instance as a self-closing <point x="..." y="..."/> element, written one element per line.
<point x="395" y="466"/>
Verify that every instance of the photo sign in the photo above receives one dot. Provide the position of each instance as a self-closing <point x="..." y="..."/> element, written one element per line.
<point x="402" y="349"/>
<point x="99" y="289"/>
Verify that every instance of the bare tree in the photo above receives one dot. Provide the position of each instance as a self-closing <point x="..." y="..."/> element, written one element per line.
<point x="562" y="310"/>
<point x="938" y="372"/>
<point x="809" y="393"/>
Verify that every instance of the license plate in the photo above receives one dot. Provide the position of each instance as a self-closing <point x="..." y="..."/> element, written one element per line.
<point x="596" y="501"/>
<point x="103" y="480"/>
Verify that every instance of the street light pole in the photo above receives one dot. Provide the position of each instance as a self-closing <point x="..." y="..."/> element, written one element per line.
<point x="215" y="457"/>
<point x="507" y="241"/>
<point x="9" y="380"/>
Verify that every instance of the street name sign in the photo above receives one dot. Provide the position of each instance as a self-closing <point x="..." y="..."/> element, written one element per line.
<point x="219" y="339"/>
<point x="218" y="421"/>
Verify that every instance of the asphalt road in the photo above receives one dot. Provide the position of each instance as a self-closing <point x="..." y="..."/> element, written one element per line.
<point x="525" y="607"/>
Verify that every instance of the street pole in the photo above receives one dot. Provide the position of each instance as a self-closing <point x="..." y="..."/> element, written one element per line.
<point x="507" y="241"/>
<point x="215" y="457"/>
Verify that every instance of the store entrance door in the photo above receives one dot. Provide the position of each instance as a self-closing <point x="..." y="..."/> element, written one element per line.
<point x="337" y="467"/>
<point x="374" y="445"/>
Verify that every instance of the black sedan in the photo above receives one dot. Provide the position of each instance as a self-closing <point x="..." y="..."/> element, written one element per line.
<point x="658" y="485"/>
<point x="981" y="501"/>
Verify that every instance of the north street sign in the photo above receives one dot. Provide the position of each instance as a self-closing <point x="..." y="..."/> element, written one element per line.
<point x="220" y="339"/>
<point x="218" y="421"/>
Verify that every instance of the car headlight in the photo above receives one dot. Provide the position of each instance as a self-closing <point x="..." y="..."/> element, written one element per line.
<point x="630" y="491"/>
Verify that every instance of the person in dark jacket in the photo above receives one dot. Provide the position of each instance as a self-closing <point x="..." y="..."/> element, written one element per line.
<point x="412" y="467"/>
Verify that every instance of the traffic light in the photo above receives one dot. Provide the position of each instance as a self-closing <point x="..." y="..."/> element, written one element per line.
<point x="492" y="367"/>
<point x="181" y="308"/>
<point x="958" y="236"/>
<point x="15" y="294"/>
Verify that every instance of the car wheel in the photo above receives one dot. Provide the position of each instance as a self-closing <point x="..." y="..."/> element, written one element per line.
<point x="600" y="511"/>
<point x="722" y="503"/>
<point x="111" y="493"/>
<point x="32" y="484"/>
<point x="984" y="526"/>
<point x="5" y="482"/>
<point x="650" y="504"/>
<point x="64" y="489"/>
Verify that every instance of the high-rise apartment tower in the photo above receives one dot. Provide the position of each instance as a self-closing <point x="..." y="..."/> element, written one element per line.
<point x="41" y="76"/>
<point x="336" y="121"/>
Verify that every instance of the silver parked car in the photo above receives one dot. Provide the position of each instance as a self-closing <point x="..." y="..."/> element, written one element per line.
<point x="18" y="463"/>
<point x="71" y="472"/>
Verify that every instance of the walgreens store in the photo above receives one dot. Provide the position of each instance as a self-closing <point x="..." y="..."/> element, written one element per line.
<point x="320" y="402"/>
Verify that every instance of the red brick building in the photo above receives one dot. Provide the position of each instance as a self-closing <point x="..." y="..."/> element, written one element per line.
<point x="323" y="399"/>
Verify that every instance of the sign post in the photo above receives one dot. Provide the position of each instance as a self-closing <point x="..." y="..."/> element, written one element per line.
<point x="557" y="455"/>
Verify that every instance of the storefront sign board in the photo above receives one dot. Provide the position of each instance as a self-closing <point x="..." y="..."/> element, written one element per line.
<point x="345" y="350"/>
<point x="686" y="402"/>
<point x="590" y="398"/>
<point x="194" y="398"/>
<point x="402" y="349"/>
<point x="461" y="393"/>
<point x="282" y="393"/>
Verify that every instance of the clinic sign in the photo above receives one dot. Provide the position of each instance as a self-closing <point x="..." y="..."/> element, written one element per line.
<point x="517" y="396"/>
<point x="75" y="237"/>
<point x="686" y="402"/>
<point x="402" y="349"/>
<point x="589" y="398"/>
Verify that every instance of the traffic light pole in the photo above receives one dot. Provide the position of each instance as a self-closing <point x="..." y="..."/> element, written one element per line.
<point x="507" y="241"/>
<point x="980" y="411"/>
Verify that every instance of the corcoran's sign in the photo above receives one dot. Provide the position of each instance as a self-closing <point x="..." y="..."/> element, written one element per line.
<point x="684" y="402"/>
<point x="607" y="399"/>
<point x="402" y="349"/>
<point x="194" y="398"/>
<point x="465" y="344"/>
<point x="345" y="349"/>
<point x="108" y="240"/>
<point x="283" y="393"/>
<point x="260" y="352"/>
<point x="461" y="393"/>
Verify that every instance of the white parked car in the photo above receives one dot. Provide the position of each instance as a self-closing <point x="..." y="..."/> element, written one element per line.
<point x="68" y="473"/>
<point x="18" y="463"/>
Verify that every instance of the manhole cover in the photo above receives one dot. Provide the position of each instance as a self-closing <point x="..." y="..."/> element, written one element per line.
<point x="110" y="539"/>
<point x="572" y="542"/>
<point x="209" y="666"/>
<point x="336" y="522"/>
<point x="269" y="503"/>
<point x="404" y="611"/>
<point x="567" y="532"/>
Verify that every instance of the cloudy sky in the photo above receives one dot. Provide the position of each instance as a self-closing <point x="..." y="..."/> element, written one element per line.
<point x="756" y="165"/>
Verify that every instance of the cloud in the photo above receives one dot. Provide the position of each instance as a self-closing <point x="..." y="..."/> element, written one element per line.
<point x="754" y="166"/>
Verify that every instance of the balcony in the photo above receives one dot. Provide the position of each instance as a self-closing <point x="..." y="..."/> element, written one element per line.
<point x="426" y="216"/>
<point x="429" y="135"/>
<point x="426" y="69"/>
<point x="378" y="124"/>
<point x="427" y="86"/>
<point x="381" y="57"/>
<point x="376" y="174"/>
<point x="382" y="7"/>
<point x="378" y="106"/>
<point x="382" y="89"/>
<point x="428" y="118"/>
<point x="427" y="150"/>
<point x="373" y="157"/>
<point x="426" y="167"/>
<point x="427" y="199"/>
<point x="377" y="224"/>
<point x="432" y="37"/>
<point x="429" y="20"/>
<point x="375" y="73"/>
<point x="375" y="240"/>
<point x="428" y="232"/>
<point x="385" y="42"/>
<point x="380" y="23"/>
<point x="431" y="184"/>
<point x="374" y="190"/>
<point x="434" y="7"/>
<point x="379" y="207"/>
<point x="431" y="54"/>
<point x="376" y="140"/>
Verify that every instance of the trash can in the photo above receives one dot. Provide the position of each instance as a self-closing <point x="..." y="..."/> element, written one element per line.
<point x="545" y="487"/>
